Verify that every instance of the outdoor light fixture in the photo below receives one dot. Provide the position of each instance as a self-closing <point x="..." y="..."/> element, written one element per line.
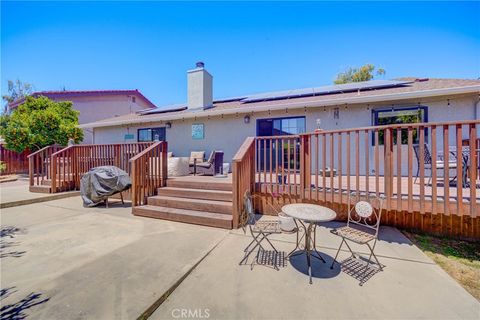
<point x="319" y="123"/>
<point x="246" y="119"/>
<point x="168" y="125"/>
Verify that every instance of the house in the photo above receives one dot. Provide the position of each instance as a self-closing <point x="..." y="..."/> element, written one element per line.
<point x="204" y="123"/>
<point x="96" y="105"/>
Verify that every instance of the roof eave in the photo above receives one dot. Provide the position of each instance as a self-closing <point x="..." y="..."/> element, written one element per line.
<point x="294" y="105"/>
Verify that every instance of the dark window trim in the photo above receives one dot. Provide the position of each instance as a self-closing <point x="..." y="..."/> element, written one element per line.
<point x="375" y="113"/>
<point x="138" y="133"/>
<point x="280" y="118"/>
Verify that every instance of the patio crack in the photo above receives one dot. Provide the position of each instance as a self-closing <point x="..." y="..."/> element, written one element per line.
<point x="147" y="313"/>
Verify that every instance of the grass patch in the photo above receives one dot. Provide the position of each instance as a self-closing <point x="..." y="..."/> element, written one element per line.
<point x="460" y="259"/>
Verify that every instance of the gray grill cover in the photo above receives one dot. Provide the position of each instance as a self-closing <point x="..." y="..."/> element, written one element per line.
<point x="101" y="182"/>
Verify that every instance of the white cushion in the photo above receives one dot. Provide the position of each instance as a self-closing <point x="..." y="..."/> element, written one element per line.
<point x="178" y="167"/>
<point x="199" y="155"/>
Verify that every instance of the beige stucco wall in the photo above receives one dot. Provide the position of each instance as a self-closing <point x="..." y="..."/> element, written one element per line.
<point x="96" y="108"/>
<point x="229" y="132"/>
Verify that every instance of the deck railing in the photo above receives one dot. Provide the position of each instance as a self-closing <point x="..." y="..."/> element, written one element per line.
<point x="325" y="166"/>
<point x="15" y="162"/>
<point x="243" y="176"/>
<point x="39" y="165"/>
<point x="149" y="172"/>
<point x="69" y="164"/>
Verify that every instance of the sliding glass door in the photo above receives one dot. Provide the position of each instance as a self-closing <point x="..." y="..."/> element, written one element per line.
<point x="271" y="127"/>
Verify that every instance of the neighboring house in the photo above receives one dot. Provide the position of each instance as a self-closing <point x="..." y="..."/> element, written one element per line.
<point x="97" y="104"/>
<point x="223" y="124"/>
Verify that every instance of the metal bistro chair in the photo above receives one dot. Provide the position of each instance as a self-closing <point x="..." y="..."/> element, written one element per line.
<point x="440" y="164"/>
<point x="362" y="227"/>
<point x="260" y="230"/>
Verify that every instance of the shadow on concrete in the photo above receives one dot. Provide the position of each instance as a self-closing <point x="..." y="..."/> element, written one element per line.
<point x="355" y="268"/>
<point x="320" y="269"/>
<point x="6" y="233"/>
<point x="385" y="233"/>
<point x="16" y="311"/>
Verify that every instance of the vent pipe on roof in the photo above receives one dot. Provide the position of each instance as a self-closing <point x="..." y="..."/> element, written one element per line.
<point x="199" y="88"/>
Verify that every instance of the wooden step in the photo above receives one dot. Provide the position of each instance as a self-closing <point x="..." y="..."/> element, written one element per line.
<point x="49" y="182"/>
<point x="40" y="189"/>
<point x="204" y="194"/>
<point x="225" y="207"/>
<point x="200" y="184"/>
<point x="211" y="219"/>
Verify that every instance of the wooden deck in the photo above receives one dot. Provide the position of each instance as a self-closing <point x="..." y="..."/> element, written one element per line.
<point x="209" y="181"/>
<point x="365" y="184"/>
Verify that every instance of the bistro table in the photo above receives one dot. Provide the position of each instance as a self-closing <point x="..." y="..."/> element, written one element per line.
<point x="307" y="216"/>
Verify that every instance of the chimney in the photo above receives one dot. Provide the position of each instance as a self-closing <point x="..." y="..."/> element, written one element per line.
<point x="199" y="88"/>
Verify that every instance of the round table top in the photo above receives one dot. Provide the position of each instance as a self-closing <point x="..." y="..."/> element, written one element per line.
<point x="309" y="212"/>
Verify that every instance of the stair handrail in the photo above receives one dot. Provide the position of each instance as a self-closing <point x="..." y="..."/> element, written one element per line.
<point x="243" y="176"/>
<point x="68" y="151"/>
<point x="148" y="175"/>
<point x="45" y="152"/>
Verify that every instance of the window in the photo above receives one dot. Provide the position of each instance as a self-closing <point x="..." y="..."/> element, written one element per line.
<point x="134" y="99"/>
<point x="413" y="114"/>
<point x="280" y="126"/>
<point x="149" y="134"/>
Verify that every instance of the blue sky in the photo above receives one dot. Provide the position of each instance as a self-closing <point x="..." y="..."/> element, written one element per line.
<point x="248" y="47"/>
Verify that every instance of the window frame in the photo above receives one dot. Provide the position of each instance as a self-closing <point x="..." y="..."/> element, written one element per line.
<point x="280" y="119"/>
<point x="375" y="117"/>
<point x="152" y="137"/>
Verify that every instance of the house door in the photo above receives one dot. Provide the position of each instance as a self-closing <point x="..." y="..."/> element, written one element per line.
<point x="271" y="150"/>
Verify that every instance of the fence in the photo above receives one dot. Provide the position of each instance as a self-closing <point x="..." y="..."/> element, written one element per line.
<point x="15" y="162"/>
<point x="62" y="169"/>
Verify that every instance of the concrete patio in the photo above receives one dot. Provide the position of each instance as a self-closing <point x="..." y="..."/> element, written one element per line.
<point x="63" y="261"/>
<point x="92" y="263"/>
<point x="411" y="286"/>
<point x="16" y="193"/>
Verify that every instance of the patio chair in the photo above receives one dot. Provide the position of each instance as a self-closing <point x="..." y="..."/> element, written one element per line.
<point x="260" y="230"/>
<point x="212" y="166"/>
<point x="362" y="228"/>
<point x="195" y="157"/>
<point x="440" y="164"/>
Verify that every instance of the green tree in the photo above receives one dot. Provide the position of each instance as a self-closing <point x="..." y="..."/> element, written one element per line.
<point x="364" y="73"/>
<point x="40" y="122"/>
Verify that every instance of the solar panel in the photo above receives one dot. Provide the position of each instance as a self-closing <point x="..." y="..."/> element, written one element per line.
<point x="330" y="89"/>
<point x="164" y="109"/>
<point x="229" y="99"/>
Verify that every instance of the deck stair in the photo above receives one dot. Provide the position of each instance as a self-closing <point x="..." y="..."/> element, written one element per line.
<point x="196" y="200"/>
<point x="45" y="186"/>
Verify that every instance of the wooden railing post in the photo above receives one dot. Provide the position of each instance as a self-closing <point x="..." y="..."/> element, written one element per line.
<point x="164" y="163"/>
<point x="53" y="169"/>
<point x="134" y="183"/>
<point x="236" y="195"/>
<point x="388" y="166"/>
<point x="305" y="165"/>
<point x="30" y="171"/>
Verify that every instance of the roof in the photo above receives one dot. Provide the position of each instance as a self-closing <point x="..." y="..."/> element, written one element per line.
<point x="85" y="93"/>
<point x="415" y="88"/>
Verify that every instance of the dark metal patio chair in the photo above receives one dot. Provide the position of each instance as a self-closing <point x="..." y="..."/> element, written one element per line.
<point x="362" y="227"/>
<point x="440" y="164"/>
<point x="212" y="166"/>
<point x="260" y="230"/>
